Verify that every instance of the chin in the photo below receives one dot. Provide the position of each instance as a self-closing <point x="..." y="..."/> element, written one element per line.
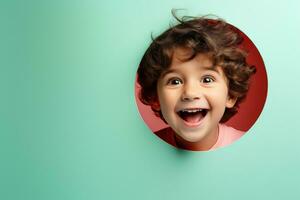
<point x="189" y="137"/>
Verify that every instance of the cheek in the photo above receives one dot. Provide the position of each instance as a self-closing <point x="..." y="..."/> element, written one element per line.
<point x="216" y="93"/>
<point x="166" y="98"/>
<point x="218" y="97"/>
<point x="167" y="93"/>
<point x="168" y="101"/>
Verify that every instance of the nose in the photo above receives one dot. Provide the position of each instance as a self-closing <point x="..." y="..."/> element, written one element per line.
<point x="191" y="91"/>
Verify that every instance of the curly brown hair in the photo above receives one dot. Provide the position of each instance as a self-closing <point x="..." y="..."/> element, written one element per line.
<point x="200" y="35"/>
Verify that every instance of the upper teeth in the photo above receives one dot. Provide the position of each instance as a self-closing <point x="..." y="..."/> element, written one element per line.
<point x="191" y="111"/>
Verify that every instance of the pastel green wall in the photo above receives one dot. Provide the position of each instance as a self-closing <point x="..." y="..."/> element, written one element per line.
<point x="69" y="125"/>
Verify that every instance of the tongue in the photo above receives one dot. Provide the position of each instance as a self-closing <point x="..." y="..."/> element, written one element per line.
<point x="192" y="118"/>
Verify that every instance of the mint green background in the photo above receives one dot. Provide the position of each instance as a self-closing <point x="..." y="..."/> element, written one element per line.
<point x="69" y="125"/>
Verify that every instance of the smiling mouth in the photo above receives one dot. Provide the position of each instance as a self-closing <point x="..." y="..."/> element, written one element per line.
<point x="192" y="116"/>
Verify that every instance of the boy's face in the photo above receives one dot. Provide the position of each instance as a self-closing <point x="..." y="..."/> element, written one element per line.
<point x="193" y="96"/>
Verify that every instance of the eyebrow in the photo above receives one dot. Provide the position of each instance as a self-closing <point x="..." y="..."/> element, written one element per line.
<point x="209" y="68"/>
<point x="168" y="71"/>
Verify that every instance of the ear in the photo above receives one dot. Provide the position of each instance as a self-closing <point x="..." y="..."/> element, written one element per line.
<point x="155" y="105"/>
<point x="230" y="102"/>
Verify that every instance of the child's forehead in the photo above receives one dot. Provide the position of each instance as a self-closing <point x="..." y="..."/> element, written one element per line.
<point x="182" y="55"/>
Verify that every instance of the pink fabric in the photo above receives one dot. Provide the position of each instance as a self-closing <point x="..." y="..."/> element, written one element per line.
<point x="227" y="135"/>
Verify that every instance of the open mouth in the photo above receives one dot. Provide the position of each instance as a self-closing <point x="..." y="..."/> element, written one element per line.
<point x="192" y="116"/>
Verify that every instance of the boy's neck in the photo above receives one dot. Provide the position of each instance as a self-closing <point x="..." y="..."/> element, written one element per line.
<point x="204" y="145"/>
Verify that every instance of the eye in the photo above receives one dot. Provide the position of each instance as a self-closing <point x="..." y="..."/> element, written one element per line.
<point x="207" y="79"/>
<point x="174" y="81"/>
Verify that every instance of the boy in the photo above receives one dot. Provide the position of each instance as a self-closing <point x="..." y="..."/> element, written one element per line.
<point x="194" y="76"/>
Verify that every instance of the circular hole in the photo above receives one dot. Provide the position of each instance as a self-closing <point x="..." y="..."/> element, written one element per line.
<point x="248" y="111"/>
